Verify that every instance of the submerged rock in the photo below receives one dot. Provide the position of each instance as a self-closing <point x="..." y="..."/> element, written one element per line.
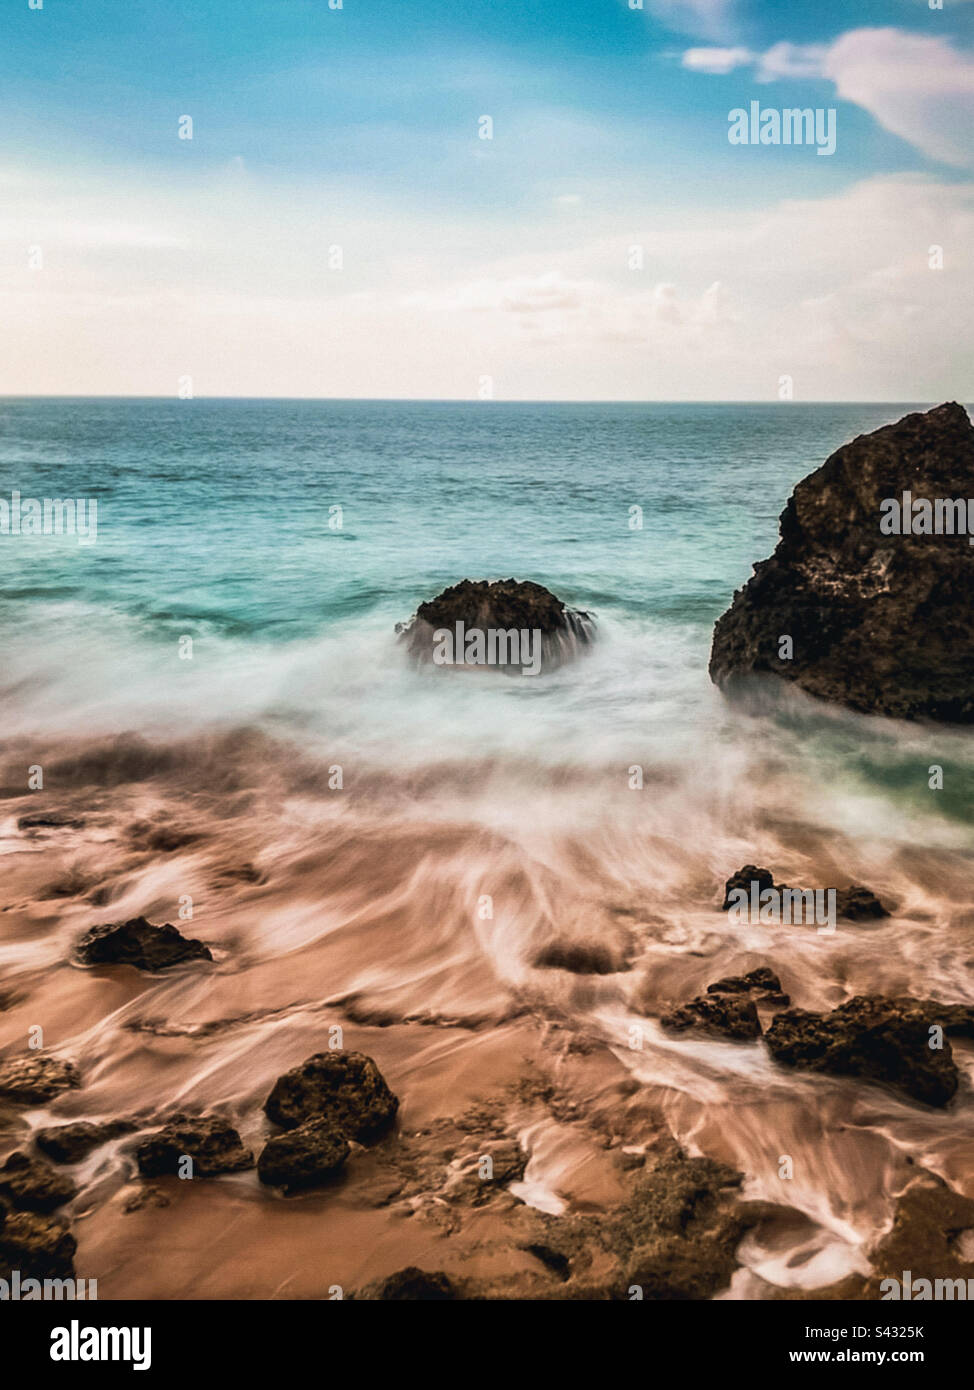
<point x="41" y="1247"/>
<point x="481" y="1175"/>
<point x="303" y="1157"/>
<point x="139" y="943"/>
<point x="33" y="1185"/>
<point x="882" y="623"/>
<point x="36" y="1080"/>
<point x="73" y="1142"/>
<point x="212" y="1144"/>
<point x="580" y="958"/>
<point x="507" y="608"/>
<point x="878" y="1039"/>
<point x="49" y="820"/>
<point x="858" y="904"/>
<point x="346" y="1088"/>
<point x="412" y="1284"/>
<point x="730" y="1016"/>
<point x="923" y="1240"/>
<point x="678" y="1235"/>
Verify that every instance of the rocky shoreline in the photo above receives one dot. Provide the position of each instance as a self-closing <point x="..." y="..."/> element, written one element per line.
<point x="509" y="1132"/>
<point x="668" y="1225"/>
<point x="879" y="620"/>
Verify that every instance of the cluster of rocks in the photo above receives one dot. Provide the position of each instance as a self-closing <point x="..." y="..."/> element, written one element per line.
<point x="852" y="904"/>
<point x="675" y="1235"/>
<point x="729" y="1008"/>
<point x="900" y="1042"/>
<point x="33" y="1239"/>
<point x="878" y="1039"/>
<point x="321" y="1107"/>
<point x="330" y="1099"/>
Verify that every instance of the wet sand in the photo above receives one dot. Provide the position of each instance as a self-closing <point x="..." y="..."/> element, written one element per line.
<point x="364" y="909"/>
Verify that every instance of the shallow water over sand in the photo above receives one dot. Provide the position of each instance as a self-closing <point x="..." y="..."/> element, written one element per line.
<point x="409" y="906"/>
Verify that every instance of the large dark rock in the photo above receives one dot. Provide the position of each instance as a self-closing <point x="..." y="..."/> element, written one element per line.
<point x="878" y="1039"/>
<point x="346" y="1088"/>
<point x="212" y="1144"/>
<point x="881" y="623"/>
<point x="303" y="1157"/>
<point x="33" y="1185"/>
<point x="731" y="1016"/>
<point x="41" y="1247"/>
<point x="508" y="605"/>
<point x="35" y="1080"/>
<point x="72" y="1142"/>
<point x="137" y="942"/>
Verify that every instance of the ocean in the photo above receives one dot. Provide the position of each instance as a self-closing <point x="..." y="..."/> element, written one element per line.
<point x="388" y="848"/>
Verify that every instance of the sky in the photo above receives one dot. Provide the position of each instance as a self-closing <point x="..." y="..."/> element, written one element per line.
<point x="339" y="226"/>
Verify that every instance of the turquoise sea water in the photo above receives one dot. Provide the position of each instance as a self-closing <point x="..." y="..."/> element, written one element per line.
<point x="215" y="514"/>
<point x="213" y="523"/>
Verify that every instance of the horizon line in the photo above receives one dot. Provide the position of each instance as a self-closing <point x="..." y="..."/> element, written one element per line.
<point x="467" y="400"/>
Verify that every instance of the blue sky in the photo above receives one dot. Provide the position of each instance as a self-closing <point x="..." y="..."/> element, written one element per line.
<point x="358" y="127"/>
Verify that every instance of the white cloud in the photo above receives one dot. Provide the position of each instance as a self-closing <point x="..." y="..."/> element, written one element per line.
<point x="792" y="60"/>
<point x="726" y="301"/>
<point x="918" y="87"/>
<point x="717" y="60"/>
